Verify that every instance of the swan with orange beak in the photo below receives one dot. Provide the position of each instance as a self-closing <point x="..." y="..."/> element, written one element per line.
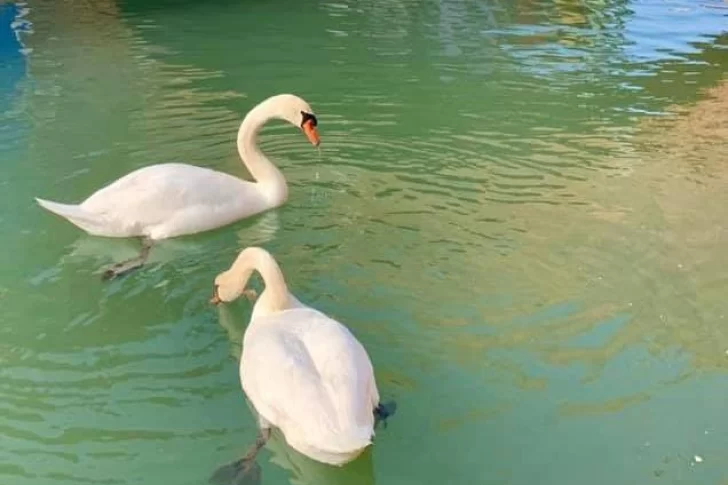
<point x="174" y="199"/>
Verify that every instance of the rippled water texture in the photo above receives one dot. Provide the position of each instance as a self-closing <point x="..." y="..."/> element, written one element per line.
<point x="519" y="208"/>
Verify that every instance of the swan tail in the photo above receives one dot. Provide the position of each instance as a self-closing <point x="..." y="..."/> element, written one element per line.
<point x="350" y="443"/>
<point x="74" y="214"/>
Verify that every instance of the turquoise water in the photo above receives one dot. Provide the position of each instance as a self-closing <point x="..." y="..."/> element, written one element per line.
<point x="504" y="211"/>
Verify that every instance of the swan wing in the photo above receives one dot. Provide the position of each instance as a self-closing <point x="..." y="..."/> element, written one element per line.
<point x="172" y="199"/>
<point x="307" y="374"/>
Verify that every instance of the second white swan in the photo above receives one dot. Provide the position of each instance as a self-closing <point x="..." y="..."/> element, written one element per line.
<point x="303" y="372"/>
<point x="174" y="199"/>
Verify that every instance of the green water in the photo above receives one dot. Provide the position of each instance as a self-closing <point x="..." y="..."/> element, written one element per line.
<point x="539" y="281"/>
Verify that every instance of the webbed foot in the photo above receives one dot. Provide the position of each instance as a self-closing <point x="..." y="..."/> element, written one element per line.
<point x="383" y="412"/>
<point x="124" y="267"/>
<point x="240" y="472"/>
<point x="244" y="471"/>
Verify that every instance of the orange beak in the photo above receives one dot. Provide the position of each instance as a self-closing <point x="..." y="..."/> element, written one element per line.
<point x="311" y="133"/>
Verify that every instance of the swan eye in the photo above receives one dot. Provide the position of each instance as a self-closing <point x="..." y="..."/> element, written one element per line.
<point x="307" y="117"/>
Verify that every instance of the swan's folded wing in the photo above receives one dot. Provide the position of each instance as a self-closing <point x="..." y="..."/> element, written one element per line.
<point x="169" y="184"/>
<point x="345" y="370"/>
<point x="307" y="375"/>
<point x="162" y="201"/>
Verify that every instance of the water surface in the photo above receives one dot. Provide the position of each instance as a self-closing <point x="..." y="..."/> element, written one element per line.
<point x="518" y="208"/>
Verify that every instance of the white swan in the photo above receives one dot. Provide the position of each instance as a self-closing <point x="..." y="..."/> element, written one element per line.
<point x="174" y="199"/>
<point x="303" y="372"/>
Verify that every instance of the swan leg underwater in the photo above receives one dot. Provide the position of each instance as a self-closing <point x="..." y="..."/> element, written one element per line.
<point x="119" y="269"/>
<point x="244" y="471"/>
<point x="175" y="199"/>
<point x="303" y="373"/>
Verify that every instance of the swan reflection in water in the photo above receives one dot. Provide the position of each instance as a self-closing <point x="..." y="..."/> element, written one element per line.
<point x="256" y="231"/>
<point x="303" y="470"/>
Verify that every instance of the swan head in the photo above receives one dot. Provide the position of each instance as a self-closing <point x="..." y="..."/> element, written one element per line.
<point x="297" y="112"/>
<point x="228" y="286"/>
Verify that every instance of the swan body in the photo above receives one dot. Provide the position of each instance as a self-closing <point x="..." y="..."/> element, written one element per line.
<point x="174" y="199"/>
<point x="163" y="201"/>
<point x="303" y="372"/>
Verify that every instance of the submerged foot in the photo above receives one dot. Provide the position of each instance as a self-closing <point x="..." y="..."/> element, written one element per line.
<point x="384" y="411"/>
<point x="120" y="269"/>
<point x="244" y="471"/>
<point x="124" y="267"/>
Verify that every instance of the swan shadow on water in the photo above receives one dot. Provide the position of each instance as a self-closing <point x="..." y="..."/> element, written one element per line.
<point x="246" y="470"/>
<point x="307" y="471"/>
<point x="257" y="230"/>
<point x="91" y="247"/>
<point x="230" y="320"/>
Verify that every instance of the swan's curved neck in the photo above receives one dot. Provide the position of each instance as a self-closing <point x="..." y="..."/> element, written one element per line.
<point x="270" y="180"/>
<point x="276" y="293"/>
